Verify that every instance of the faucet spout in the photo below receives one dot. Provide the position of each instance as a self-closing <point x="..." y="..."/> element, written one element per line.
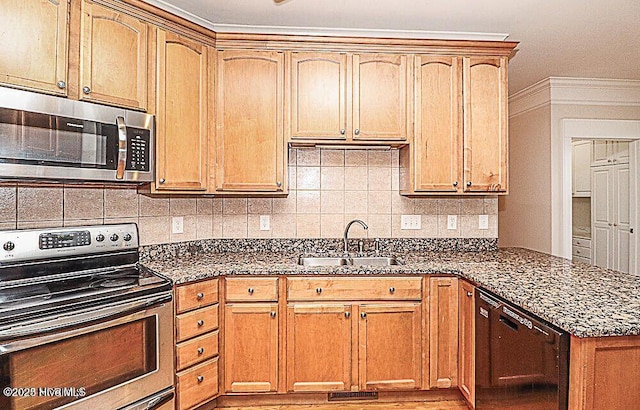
<point x="346" y="233"/>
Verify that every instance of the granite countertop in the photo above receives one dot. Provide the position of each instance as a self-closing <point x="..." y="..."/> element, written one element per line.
<point x="584" y="300"/>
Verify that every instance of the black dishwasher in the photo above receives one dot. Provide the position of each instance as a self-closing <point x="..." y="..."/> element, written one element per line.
<point x="522" y="362"/>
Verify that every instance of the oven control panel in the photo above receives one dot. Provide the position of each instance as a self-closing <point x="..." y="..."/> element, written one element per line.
<point x="64" y="239"/>
<point x="43" y="243"/>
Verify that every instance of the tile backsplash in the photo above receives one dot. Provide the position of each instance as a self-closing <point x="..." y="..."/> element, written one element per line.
<point x="327" y="189"/>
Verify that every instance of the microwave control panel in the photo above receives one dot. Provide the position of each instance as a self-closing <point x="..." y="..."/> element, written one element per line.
<point x="138" y="147"/>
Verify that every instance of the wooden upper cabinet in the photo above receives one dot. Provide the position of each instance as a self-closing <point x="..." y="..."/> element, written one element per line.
<point x="438" y="124"/>
<point x="250" y="149"/>
<point x="35" y="38"/>
<point x="443" y="332"/>
<point x="485" y="124"/>
<point x="181" y="113"/>
<point x="380" y="96"/>
<point x="318" y="96"/>
<point x="390" y="346"/>
<point x="113" y="61"/>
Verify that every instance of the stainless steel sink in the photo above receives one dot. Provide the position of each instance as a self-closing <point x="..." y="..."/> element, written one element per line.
<point x="342" y="261"/>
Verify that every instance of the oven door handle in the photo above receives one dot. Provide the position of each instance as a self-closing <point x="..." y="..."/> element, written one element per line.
<point x="37" y="333"/>
<point x="153" y="402"/>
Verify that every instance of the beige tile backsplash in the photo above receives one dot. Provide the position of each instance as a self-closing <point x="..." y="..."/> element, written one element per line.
<point x="328" y="188"/>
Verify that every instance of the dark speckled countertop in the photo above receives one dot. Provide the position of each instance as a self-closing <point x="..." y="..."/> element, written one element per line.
<point x="584" y="300"/>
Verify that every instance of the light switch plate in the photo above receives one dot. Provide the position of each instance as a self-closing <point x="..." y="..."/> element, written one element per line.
<point x="452" y="222"/>
<point x="265" y="222"/>
<point x="177" y="224"/>
<point x="483" y="221"/>
<point x="410" y="222"/>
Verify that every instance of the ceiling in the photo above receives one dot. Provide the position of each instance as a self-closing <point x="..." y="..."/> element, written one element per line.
<point x="567" y="38"/>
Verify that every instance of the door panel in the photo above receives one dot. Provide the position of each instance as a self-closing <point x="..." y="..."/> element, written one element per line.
<point x="466" y="361"/>
<point x="443" y="331"/>
<point x="621" y="221"/>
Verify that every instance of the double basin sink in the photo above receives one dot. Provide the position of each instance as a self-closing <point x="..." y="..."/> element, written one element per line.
<point x="347" y="261"/>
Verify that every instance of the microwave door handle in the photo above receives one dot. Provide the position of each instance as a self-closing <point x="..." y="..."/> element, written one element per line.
<point x="39" y="333"/>
<point x="122" y="147"/>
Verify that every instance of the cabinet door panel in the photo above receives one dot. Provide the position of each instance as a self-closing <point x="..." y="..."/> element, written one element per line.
<point x="318" y="347"/>
<point x="621" y="221"/>
<point x="249" y="138"/>
<point x="602" y="216"/>
<point x="318" y="95"/>
<point x="466" y="361"/>
<point x="443" y="326"/>
<point x="251" y="347"/>
<point x="438" y="122"/>
<point x="113" y="57"/>
<point x="485" y="124"/>
<point x="35" y="37"/>
<point x="380" y="97"/>
<point x="389" y="346"/>
<point x="181" y="113"/>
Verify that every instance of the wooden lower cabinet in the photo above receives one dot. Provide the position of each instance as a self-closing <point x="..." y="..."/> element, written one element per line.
<point x="466" y="342"/>
<point x="318" y="347"/>
<point x="251" y="347"/>
<point x="443" y="332"/>
<point x="197" y="384"/>
<point x="389" y="353"/>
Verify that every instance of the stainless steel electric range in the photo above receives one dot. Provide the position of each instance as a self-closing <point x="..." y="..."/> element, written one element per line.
<point x="82" y="324"/>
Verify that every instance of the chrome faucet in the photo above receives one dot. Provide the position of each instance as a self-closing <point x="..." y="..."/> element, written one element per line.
<point x="346" y="232"/>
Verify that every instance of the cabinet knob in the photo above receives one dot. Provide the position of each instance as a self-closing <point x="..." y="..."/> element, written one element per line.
<point x="363" y="315"/>
<point x="279" y="184"/>
<point x="357" y="131"/>
<point x="615" y="224"/>
<point x="609" y="161"/>
<point x="200" y="323"/>
<point x="272" y="314"/>
<point x="469" y="183"/>
<point x="578" y="252"/>
<point x="347" y="314"/>
<point x="318" y="290"/>
<point x="200" y="296"/>
<point x="200" y="379"/>
<point x="161" y="180"/>
<point x="250" y="290"/>
<point x="469" y="294"/>
<point x="86" y="90"/>
<point x="392" y="290"/>
<point x="200" y="350"/>
<point x="343" y="131"/>
<point x="61" y="85"/>
<point x="455" y="183"/>
<point x="610" y="224"/>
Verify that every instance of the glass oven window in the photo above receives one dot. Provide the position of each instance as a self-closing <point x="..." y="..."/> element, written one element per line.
<point x="83" y="365"/>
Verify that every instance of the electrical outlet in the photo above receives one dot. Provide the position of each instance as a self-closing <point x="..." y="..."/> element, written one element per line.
<point x="177" y="224"/>
<point x="452" y="222"/>
<point x="410" y="222"/>
<point x="483" y="221"/>
<point x="265" y="222"/>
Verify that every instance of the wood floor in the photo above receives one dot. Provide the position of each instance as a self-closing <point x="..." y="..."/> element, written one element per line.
<point x="439" y="405"/>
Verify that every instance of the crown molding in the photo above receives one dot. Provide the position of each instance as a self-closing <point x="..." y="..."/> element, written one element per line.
<point x="181" y="13"/>
<point x="575" y="91"/>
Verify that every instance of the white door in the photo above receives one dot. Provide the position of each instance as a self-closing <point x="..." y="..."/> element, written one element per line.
<point x="621" y="217"/>
<point x="581" y="184"/>
<point x="601" y="217"/>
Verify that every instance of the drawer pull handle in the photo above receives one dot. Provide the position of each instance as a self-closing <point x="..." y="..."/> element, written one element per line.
<point x="272" y="314"/>
<point x="363" y="315"/>
<point x="392" y="290"/>
<point x="250" y="290"/>
<point x="347" y="314"/>
<point x="318" y="290"/>
<point x="200" y="296"/>
<point x="200" y="323"/>
<point x="200" y="379"/>
<point x="200" y="350"/>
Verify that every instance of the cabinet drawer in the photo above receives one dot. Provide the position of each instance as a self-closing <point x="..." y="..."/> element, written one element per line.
<point x="581" y="252"/>
<point x="196" y="322"/>
<point x="251" y="289"/>
<point x="306" y="289"/>
<point x="581" y="259"/>
<point x="196" y="295"/>
<point x="197" y="350"/>
<point x="586" y="243"/>
<point x="197" y="384"/>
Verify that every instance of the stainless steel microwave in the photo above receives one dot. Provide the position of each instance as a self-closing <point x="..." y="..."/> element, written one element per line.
<point x="43" y="137"/>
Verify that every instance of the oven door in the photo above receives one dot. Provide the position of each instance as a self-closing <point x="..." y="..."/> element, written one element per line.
<point x="99" y="358"/>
